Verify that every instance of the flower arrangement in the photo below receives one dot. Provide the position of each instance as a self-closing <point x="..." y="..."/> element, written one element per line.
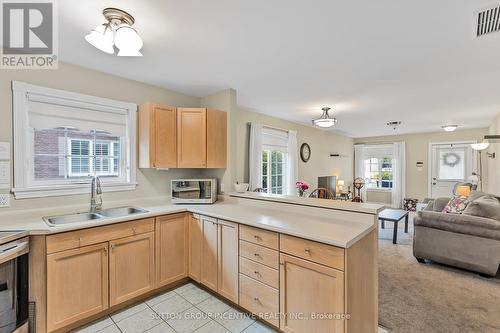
<point x="302" y="187"/>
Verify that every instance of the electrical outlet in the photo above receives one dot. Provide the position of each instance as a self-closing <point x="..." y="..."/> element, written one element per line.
<point x="4" y="200"/>
<point x="222" y="188"/>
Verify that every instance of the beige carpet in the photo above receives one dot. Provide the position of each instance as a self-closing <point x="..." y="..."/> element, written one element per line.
<point x="420" y="298"/>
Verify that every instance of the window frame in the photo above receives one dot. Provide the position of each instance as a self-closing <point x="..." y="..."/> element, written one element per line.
<point x="92" y="157"/>
<point x="269" y="189"/>
<point x="23" y="136"/>
<point x="380" y="162"/>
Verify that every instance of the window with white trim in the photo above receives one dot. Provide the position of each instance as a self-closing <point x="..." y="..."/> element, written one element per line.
<point x="378" y="167"/>
<point x="62" y="139"/>
<point x="274" y="157"/>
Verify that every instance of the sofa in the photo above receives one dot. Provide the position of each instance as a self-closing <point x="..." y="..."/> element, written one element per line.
<point x="470" y="240"/>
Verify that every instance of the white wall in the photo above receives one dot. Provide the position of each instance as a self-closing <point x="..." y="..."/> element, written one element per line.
<point x="494" y="164"/>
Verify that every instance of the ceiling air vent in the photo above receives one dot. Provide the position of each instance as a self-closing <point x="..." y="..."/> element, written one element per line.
<point x="488" y="21"/>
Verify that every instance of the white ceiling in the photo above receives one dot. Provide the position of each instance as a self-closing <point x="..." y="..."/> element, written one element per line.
<point x="371" y="61"/>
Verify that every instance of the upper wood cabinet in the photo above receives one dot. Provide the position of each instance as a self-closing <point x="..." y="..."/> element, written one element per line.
<point x="131" y="267"/>
<point x="171" y="248"/>
<point x="192" y="138"/>
<point x="182" y="137"/>
<point x="77" y="285"/>
<point x="157" y="136"/>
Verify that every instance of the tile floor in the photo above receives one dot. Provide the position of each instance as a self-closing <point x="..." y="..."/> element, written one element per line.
<point x="185" y="309"/>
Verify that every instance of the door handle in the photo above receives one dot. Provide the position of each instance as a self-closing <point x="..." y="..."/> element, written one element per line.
<point x="433" y="183"/>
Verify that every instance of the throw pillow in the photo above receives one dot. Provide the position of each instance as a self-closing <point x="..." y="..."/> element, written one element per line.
<point x="456" y="205"/>
<point x="485" y="206"/>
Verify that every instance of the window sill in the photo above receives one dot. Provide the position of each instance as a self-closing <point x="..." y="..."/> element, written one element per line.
<point x="379" y="190"/>
<point x="43" y="192"/>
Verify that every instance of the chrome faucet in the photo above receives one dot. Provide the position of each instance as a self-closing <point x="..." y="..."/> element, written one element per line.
<point x="95" y="195"/>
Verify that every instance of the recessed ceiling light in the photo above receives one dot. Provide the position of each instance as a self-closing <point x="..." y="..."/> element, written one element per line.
<point x="117" y="31"/>
<point x="325" y="120"/>
<point x="449" y="128"/>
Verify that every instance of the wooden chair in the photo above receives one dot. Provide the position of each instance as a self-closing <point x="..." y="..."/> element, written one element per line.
<point x="260" y="190"/>
<point x="321" y="193"/>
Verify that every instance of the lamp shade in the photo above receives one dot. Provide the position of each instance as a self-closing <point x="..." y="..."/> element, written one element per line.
<point x="340" y="182"/>
<point x="128" y="41"/>
<point x="463" y="191"/>
<point x="480" y="146"/>
<point x="102" y="38"/>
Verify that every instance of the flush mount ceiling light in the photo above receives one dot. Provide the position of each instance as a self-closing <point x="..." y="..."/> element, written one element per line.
<point x="449" y="128"/>
<point x="325" y="120"/>
<point x="394" y="124"/>
<point x="117" y="31"/>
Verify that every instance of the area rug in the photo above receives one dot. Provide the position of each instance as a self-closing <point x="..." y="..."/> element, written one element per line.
<point x="417" y="298"/>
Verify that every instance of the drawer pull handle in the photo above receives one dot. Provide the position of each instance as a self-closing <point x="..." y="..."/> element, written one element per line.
<point x="257" y="273"/>
<point x="282" y="263"/>
<point x="256" y="299"/>
<point x="308" y="251"/>
<point x="257" y="237"/>
<point x="257" y="255"/>
<point x="105" y="251"/>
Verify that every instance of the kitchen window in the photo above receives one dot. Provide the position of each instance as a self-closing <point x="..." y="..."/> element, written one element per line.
<point x="62" y="139"/>
<point x="273" y="171"/>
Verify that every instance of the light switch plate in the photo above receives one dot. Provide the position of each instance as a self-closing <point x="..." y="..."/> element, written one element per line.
<point x="4" y="151"/>
<point x="4" y="200"/>
<point x="4" y="175"/>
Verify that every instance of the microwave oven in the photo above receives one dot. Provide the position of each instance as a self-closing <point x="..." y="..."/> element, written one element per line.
<point x="194" y="191"/>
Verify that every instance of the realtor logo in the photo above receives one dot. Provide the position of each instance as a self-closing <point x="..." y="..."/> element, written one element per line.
<point x="29" y="38"/>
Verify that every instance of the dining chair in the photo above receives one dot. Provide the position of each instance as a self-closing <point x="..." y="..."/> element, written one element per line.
<point x="321" y="193"/>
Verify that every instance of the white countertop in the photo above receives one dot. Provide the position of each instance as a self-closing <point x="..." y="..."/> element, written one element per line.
<point x="334" y="227"/>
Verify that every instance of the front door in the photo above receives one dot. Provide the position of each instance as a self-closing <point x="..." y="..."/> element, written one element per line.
<point x="450" y="163"/>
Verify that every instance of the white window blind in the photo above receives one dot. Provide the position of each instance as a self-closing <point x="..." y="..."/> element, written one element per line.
<point x="274" y="139"/>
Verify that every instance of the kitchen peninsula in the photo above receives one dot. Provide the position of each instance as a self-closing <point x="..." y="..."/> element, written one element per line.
<point x="302" y="265"/>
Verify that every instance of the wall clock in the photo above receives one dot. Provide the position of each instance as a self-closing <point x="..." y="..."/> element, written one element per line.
<point x="305" y="152"/>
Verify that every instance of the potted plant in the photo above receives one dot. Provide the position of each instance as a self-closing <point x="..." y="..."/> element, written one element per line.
<point x="302" y="187"/>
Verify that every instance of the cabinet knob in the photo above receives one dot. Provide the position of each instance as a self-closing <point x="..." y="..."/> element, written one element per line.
<point x="256" y="299"/>
<point x="105" y="251"/>
<point x="257" y="273"/>
<point x="282" y="264"/>
<point x="308" y="251"/>
<point x="257" y="237"/>
<point x="256" y="255"/>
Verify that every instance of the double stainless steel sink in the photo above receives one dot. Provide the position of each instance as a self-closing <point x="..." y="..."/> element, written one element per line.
<point x="87" y="217"/>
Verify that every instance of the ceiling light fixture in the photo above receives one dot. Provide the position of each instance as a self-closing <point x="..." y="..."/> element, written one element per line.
<point x="480" y="146"/>
<point x="325" y="120"/>
<point x="449" y="128"/>
<point x="118" y="31"/>
<point x="394" y="124"/>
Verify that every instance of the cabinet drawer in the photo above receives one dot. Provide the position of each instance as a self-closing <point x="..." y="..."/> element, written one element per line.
<point x="259" y="272"/>
<point x="75" y="239"/>
<point x="259" y="299"/>
<point x="259" y="236"/>
<point x="259" y="254"/>
<point x="328" y="255"/>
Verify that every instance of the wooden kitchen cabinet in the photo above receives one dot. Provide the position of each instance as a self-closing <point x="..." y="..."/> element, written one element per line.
<point x="228" y="260"/>
<point x="157" y="136"/>
<point x="131" y="267"/>
<point x="192" y="137"/>
<point x="216" y="139"/>
<point x="209" y="268"/>
<point x="171" y="248"/>
<point x="309" y="288"/>
<point x="77" y="284"/>
<point x="195" y="246"/>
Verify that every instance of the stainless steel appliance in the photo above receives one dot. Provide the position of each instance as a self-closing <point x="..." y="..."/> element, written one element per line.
<point x="14" y="307"/>
<point x="328" y="182"/>
<point x="194" y="191"/>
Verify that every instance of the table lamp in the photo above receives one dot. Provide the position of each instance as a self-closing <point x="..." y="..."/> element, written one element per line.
<point x="463" y="191"/>
<point x="340" y="184"/>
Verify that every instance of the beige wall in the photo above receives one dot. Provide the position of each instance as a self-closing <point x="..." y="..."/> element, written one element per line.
<point x="417" y="148"/>
<point x="494" y="164"/>
<point x="78" y="79"/>
<point x="322" y="144"/>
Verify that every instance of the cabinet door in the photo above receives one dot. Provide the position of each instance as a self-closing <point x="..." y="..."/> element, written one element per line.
<point x="228" y="260"/>
<point x="164" y="154"/>
<point x="310" y="288"/>
<point x="191" y="138"/>
<point x="216" y="139"/>
<point x="77" y="284"/>
<point x="209" y="253"/>
<point x="195" y="246"/>
<point x="131" y="267"/>
<point x="171" y="248"/>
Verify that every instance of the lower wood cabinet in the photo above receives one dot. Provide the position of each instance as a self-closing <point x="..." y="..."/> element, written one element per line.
<point x="131" y="267"/>
<point x="195" y="246"/>
<point x="227" y="262"/>
<point x="308" y="288"/>
<point x="209" y="248"/>
<point x="171" y="248"/>
<point x="77" y="285"/>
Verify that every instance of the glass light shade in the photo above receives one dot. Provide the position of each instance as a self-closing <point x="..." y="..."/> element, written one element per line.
<point x="128" y="41"/>
<point x="463" y="191"/>
<point x="449" y="128"/>
<point x="480" y="146"/>
<point x="325" y="123"/>
<point x="102" y="38"/>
